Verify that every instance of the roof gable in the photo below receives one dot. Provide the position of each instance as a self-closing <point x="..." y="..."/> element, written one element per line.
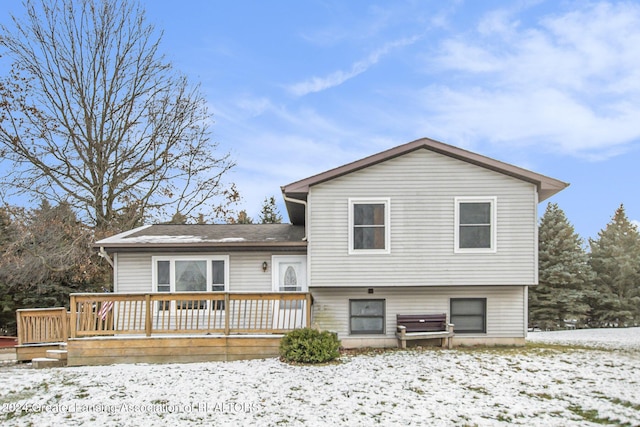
<point x="298" y="190"/>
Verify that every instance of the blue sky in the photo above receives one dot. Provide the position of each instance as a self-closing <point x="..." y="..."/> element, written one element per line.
<point x="299" y="87"/>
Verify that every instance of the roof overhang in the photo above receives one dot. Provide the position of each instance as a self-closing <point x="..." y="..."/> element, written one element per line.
<point x="204" y="247"/>
<point x="547" y="186"/>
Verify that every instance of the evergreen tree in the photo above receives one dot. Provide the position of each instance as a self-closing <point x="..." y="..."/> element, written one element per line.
<point x="47" y="256"/>
<point x="564" y="273"/>
<point x="178" y="218"/>
<point x="615" y="259"/>
<point x="7" y="306"/>
<point x="270" y="213"/>
<point x="242" y="218"/>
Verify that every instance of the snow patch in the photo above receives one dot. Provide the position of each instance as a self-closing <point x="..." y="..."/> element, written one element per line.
<point x="610" y="338"/>
<point x="486" y="387"/>
<point x="181" y="239"/>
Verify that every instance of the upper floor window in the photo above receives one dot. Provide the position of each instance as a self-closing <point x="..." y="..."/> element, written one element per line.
<point x="369" y="225"/>
<point x="475" y="224"/>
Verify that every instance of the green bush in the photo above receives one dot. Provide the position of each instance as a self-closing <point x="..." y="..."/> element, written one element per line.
<point x="309" y="345"/>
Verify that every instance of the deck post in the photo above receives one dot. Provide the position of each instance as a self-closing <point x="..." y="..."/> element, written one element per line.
<point x="227" y="314"/>
<point x="308" y="298"/>
<point x="73" y="322"/>
<point x="20" y="326"/>
<point x="65" y="325"/>
<point x="148" y="324"/>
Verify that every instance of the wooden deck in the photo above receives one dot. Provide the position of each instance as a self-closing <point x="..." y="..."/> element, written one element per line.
<point x="39" y="330"/>
<point x="170" y="349"/>
<point x="164" y="327"/>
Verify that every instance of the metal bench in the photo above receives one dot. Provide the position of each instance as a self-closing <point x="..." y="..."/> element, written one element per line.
<point x="422" y="327"/>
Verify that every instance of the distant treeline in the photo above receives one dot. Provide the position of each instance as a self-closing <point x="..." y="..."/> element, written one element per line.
<point x="46" y="253"/>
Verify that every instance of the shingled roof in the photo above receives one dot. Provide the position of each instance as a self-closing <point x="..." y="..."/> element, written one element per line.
<point x="228" y="237"/>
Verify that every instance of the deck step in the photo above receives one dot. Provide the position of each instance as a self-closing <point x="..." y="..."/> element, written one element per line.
<point x="47" y="362"/>
<point x="8" y="355"/>
<point x="57" y="354"/>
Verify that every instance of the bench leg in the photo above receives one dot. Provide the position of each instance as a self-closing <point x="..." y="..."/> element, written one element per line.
<point x="402" y="342"/>
<point x="447" y="342"/>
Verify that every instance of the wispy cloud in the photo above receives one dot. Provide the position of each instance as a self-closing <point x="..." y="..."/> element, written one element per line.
<point x="568" y="83"/>
<point x="318" y="84"/>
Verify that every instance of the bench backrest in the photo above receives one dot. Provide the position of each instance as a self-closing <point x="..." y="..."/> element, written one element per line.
<point x="422" y="322"/>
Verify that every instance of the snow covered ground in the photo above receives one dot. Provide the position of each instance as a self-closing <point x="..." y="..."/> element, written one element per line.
<point x="614" y="338"/>
<point x="530" y="386"/>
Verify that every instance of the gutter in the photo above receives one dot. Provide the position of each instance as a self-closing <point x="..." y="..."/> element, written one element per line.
<point x="205" y="246"/>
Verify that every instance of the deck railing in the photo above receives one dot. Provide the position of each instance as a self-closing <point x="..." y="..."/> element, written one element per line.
<point x="188" y="313"/>
<point x="42" y="325"/>
<point x="150" y="314"/>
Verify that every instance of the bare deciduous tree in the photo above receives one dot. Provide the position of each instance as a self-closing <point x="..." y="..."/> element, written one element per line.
<point x="92" y="114"/>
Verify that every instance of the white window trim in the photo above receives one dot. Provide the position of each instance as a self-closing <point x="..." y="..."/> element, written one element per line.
<point x="387" y="224"/>
<point x="494" y="224"/>
<point x="276" y="260"/>
<point x="174" y="258"/>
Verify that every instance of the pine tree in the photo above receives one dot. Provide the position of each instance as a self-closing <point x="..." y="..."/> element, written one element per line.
<point x="178" y="219"/>
<point x="7" y="305"/>
<point x="244" y="218"/>
<point x="47" y="256"/>
<point x="615" y="259"/>
<point x="564" y="273"/>
<point x="270" y="213"/>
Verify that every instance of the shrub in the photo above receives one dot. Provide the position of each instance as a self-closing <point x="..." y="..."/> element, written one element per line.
<point x="309" y="345"/>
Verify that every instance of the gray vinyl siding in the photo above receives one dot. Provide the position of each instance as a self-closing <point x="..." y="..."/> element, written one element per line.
<point x="422" y="187"/>
<point x="505" y="306"/>
<point x="246" y="275"/>
<point x="134" y="272"/>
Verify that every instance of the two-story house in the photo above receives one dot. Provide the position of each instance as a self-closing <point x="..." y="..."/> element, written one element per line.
<point x="424" y="227"/>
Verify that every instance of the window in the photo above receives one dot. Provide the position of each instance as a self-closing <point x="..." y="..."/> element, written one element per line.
<point x="218" y="275"/>
<point x="475" y="224"/>
<point x="218" y="280"/>
<point x="163" y="276"/>
<point x="190" y="274"/>
<point x="469" y="315"/>
<point x="369" y="226"/>
<point x="289" y="274"/>
<point x="366" y="316"/>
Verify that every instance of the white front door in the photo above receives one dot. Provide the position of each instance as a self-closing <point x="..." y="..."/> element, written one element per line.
<point x="289" y="274"/>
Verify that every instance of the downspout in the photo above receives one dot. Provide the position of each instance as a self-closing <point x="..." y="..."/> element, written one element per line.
<point x="103" y="254"/>
<point x="306" y="212"/>
<point x="304" y="239"/>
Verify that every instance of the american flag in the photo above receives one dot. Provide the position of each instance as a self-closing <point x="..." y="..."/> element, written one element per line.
<point x="105" y="308"/>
